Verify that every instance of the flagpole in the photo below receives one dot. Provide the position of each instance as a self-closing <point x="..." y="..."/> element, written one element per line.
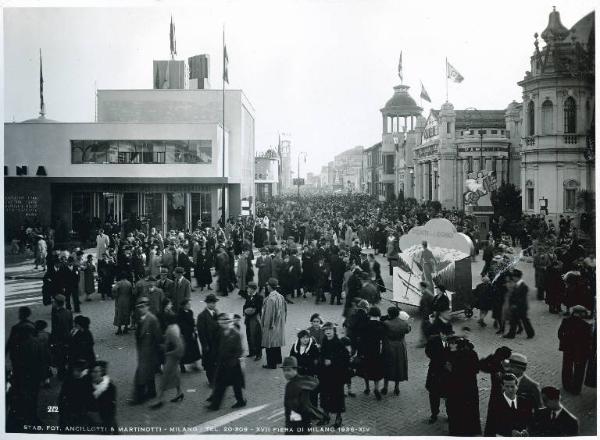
<point x="446" y="79"/>
<point x="224" y="186"/>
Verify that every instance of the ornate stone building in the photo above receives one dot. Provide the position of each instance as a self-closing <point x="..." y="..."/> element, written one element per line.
<point x="456" y="144"/>
<point x="558" y="118"/>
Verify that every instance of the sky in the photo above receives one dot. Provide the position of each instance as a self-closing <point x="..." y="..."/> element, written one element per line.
<point x="319" y="71"/>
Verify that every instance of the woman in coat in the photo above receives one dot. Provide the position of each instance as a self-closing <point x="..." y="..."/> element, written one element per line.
<point x="106" y="275"/>
<point x="242" y="273"/>
<point x="202" y="269"/>
<point x="81" y="342"/>
<point x="370" y="351"/>
<point x="394" y="349"/>
<point x="186" y="323"/>
<point x="333" y="365"/>
<point x="89" y="277"/>
<point x="306" y="352"/>
<point x="103" y="404"/>
<point x="462" y="404"/>
<point x="122" y="292"/>
<point x="265" y="269"/>
<point x="173" y="351"/>
<point x="154" y="259"/>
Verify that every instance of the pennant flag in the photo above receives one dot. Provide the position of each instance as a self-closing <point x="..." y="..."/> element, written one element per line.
<point x="42" y="106"/>
<point x="225" y="65"/>
<point x="172" y="38"/>
<point x="424" y="95"/>
<point x="452" y="73"/>
<point x="400" y="67"/>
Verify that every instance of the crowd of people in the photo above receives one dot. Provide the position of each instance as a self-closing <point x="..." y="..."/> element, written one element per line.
<point x="324" y="247"/>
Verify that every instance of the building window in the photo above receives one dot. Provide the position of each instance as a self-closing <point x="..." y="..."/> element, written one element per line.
<point x="570" y="195"/>
<point x="494" y="131"/>
<point x="81" y="213"/>
<point x="530" y="119"/>
<point x="530" y="198"/>
<point x="138" y="151"/>
<point x="547" y="116"/>
<point x="471" y="132"/>
<point x="449" y="127"/>
<point x="388" y="164"/>
<point x="570" y="112"/>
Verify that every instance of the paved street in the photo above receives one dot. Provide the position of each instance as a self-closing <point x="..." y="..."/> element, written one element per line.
<point x="402" y="415"/>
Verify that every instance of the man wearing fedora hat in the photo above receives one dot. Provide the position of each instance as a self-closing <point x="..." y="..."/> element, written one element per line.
<point x="182" y="289"/>
<point x="298" y="409"/>
<point x="208" y="333"/>
<point x="252" y="310"/>
<point x="166" y="284"/>
<point x="575" y="336"/>
<point x="527" y="387"/>
<point x="148" y="338"/>
<point x="273" y="318"/>
<point x="228" y="369"/>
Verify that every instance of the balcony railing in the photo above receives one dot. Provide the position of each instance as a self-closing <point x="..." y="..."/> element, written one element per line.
<point x="570" y="138"/>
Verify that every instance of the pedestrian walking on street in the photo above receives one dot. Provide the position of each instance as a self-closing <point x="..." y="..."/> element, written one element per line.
<point x="61" y="325"/>
<point x="173" y="349"/>
<point x="228" y="370"/>
<point x="148" y="346"/>
<point x="182" y="289"/>
<point x="265" y="269"/>
<point x="187" y="326"/>
<point x="370" y="351"/>
<point x="202" y="270"/>
<point x="462" y="404"/>
<point x="315" y="330"/>
<point x="299" y="410"/>
<point x="494" y="365"/>
<point x="252" y="310"/>
<point x="484" y="297"/>
<point x="103" y="404"/>
<point x="81" y="342"/>
<point x="395" y="358"/>
<point x="273" y="319"/>
<point x="333" y="363"/>
<point x="519" y="306"/>
<point x="437" y="375"/>
<point x="575" y="336"/>
<point x="89" y="275"/>
<point x="428" y="263"/>
<point x="122" y="292"/>
<point x="208" y="334"/>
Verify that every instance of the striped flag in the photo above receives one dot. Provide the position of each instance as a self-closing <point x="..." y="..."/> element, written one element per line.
<point x="424" y="95"/>
<point x="225" y="65"/>
<point x="452" y="73"/>
<point x="172" y="38"/>
<point x="42" y="105"/>
<point x="400" y="67"/>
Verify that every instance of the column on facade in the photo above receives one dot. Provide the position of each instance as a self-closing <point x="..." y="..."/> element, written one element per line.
<point x="418" y="181"/>
<point x="500" y="170"/>
<point x="426" y="179"/>
<point x="435" y="179"/>
<point x="446" y="180"/>
<point x="460" y="178"/>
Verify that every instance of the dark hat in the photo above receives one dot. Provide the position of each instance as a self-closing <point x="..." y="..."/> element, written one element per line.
<point x="142" y="301"/>
<point x="252" y="284"/>
<point x="328" y="325"/>
<point x="551" y="393"/>
<point x="164" y="270"/>
<point x="273" y="282"/>
<point x="179" y="269"/>
<point x="211" y="298"/>
<point x="579" y="309"/>
<point x="518" y="359"/>
<point x="82" y="321"/>
<point x="60" y="298"/>
<point x="290" y="362"/>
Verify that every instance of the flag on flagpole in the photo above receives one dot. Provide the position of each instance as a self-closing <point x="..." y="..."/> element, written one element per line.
<point x="225" y="65"/>
<point x="172" y="39"/>
<point x="424" y="95"/>
<point x="400" y="67"/>
<point x="452" y="73"/>
<point x="42" y="106"/>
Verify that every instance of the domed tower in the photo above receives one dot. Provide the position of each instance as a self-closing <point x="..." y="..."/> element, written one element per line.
<point x="557" y="132"/>
<point x="399" y="137"/>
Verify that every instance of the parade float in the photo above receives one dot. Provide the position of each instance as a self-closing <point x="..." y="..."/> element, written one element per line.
<point x="452" y="251"/>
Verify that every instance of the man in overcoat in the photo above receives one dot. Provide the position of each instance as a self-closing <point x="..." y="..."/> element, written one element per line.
<point x="182" y="289"/>
<point x="274" y="315"/>
<point x="228" y="367"/>
<point x="148" y="339"/>
<point x="252" y="310"/>
<point x="208" y="331"/>
<point x="265" y="269"/>
<point x="554" y="420"/>
<point x="575" y="337"/>
<point x="61" y="324"/>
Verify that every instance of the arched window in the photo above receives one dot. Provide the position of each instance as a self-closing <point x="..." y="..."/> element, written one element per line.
<point x="547" y="117"/>
<point x="530" y="195"/>
<point x="530" y="119"/>
<point x="570" y="111"/>
<point x="570" y="194"/>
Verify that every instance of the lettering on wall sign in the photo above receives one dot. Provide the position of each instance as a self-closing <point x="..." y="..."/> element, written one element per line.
<point x="27" y="205"/>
